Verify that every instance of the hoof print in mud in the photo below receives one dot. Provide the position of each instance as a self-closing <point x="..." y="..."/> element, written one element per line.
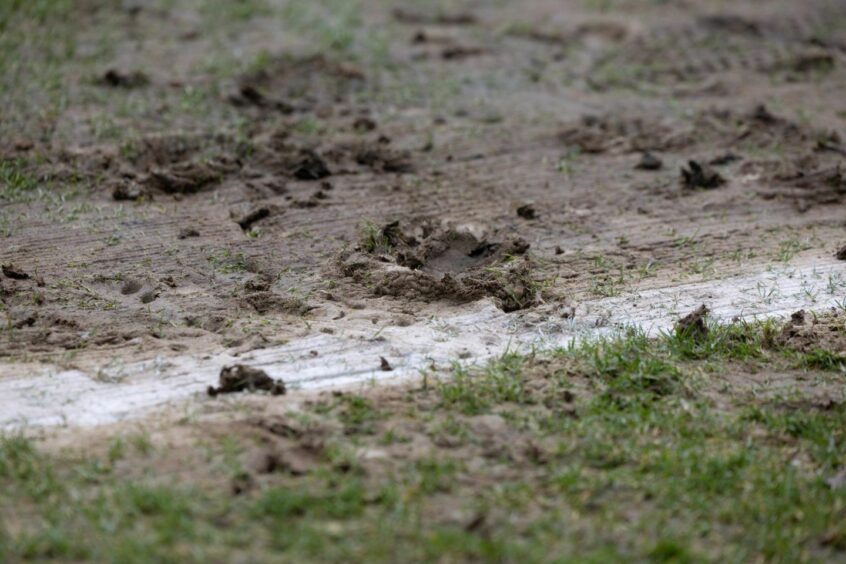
<point x="430" y="263"/>
<point x="700" y="176"/>
<point x="241" y="378"/>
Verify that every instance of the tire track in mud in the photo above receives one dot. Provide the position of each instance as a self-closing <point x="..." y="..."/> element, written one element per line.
<point x="33" y="396"/>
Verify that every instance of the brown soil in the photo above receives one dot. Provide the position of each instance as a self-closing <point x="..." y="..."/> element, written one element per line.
<point x="511" y="151"/>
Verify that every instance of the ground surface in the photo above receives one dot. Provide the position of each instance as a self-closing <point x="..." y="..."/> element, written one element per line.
<point x="316" y="184"/>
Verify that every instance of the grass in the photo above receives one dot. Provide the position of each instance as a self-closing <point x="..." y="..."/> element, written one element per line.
<point x="15" y="180"/>
<point x="608" y="450"/>
<point x="226" y="261"/>
<point x="624" y="448"/>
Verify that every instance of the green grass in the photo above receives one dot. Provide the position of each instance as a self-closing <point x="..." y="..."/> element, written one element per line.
<point x="603" y="451"/>
<point x="15" y="180"/>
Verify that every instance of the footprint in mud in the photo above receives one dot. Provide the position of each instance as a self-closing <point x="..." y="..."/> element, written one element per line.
<point x="459" y="254"/>
<point x="431" y="262"/>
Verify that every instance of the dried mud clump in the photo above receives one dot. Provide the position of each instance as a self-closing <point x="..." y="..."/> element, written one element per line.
<point x="648" y="161"/>
<point x="13" y="272"/>
<point x="808" y="333"/>
<point x="116" y="78"/>
<point x="241" y="378"/>
<point x="379" y="158"/>
<point x="694" y="324"/>
<point x="697" y="175"/>
<point x="431" y="262"/>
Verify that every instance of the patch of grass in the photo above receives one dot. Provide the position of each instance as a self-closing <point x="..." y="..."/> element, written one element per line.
<point x="358" y="414"/>
<point x="473" y="393"/>
<point x="373" y="239"/>
<point x="597" y="452"/>
<point x="15" y="180"/>
<point x="228" y="262"/>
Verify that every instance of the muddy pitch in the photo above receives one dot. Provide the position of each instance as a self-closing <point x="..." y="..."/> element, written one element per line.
<point x="533" y="154"/>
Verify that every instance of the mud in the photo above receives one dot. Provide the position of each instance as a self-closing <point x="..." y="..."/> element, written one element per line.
<point x="124" y="79"/>
<point x="431" y="262"/>
<point x="290" y="84"/>
<point x="499" y="151"/>
<point x="241" y="378"/>
<point x="700" y="176"/>
<point x="694" y="324"/>
<point x="13" y="272"/>
<point x="808" y="333"/>
<point x="648" y="161"/>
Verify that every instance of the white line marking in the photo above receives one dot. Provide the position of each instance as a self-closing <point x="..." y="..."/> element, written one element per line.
<point x="46" y="397"/>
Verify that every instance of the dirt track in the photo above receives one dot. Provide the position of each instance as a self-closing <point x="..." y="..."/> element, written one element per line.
<point x="227" y="188"/>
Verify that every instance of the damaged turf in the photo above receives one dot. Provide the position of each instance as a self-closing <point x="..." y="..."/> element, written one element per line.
<point x="430" y="262"/>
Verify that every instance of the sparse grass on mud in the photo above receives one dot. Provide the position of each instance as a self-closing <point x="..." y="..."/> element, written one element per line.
<point x="627" y="448"/>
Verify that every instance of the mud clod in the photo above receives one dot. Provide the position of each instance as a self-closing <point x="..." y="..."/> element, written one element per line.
<point x="459" y="52"/>
<point x="13" y="272"/>
<point x="124" y="79"/>
<point x="648" y="161"/>
<point x="252" y="217"/>
<point x="241" y="378"/>
<point x="311" y="167"/>
<point x="130" y="286"/>
<point x="725" y="159"/>
<point x="381" y="159"/>
<point x="527" y="211"/>
<point x="808" y="333"/>
<point x="249" y="95"/>
<point x="149" y="296"/>
<point x="364" y="124"/>
<point x="188" y="232"/>
<point x="700" y="176"/>
<point x="127" y="191"/>
<point x="694" y="324"/>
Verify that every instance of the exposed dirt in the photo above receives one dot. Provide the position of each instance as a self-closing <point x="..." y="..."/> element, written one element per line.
<point x="431" y="262"/>
<point x="807" y="333"/>
<point x="177" y="198"/>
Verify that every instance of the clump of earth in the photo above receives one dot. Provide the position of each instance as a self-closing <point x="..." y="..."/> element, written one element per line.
<point x="432" y="262"/>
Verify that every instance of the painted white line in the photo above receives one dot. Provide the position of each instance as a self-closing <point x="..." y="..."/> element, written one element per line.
<point x="475" y="333"/>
